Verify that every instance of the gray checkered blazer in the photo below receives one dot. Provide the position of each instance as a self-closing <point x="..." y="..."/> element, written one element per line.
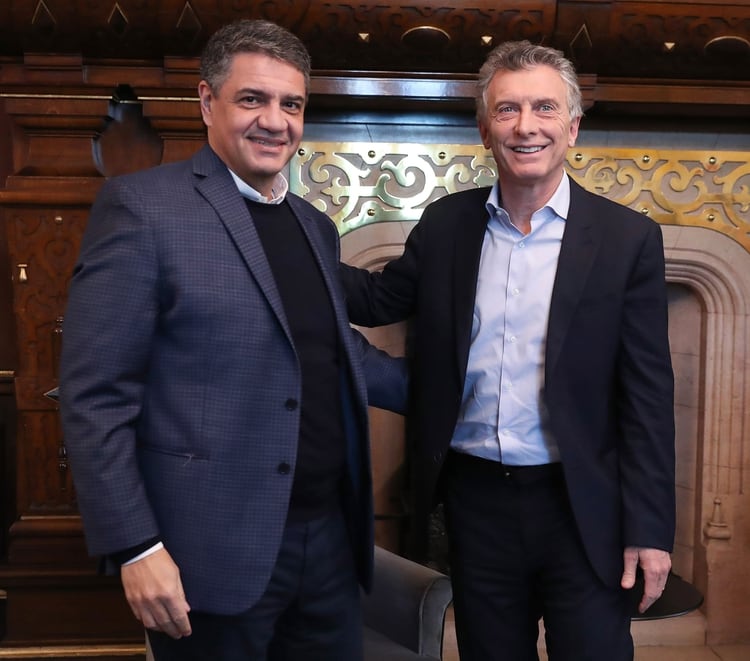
<point x="178" y="376"/>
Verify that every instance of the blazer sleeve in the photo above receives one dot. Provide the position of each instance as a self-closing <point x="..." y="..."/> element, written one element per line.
<point x="386" y="377"/>
<point x="379" y="298"/>
<point x="646" y="404"/>
<point x="109" y="324"/>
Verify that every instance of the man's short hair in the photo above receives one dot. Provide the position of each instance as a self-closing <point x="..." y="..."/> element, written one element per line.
<point x="522" y="55"/>
<point x="251" y="36"/>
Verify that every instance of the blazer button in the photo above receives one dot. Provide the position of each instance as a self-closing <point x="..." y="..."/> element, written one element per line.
<point x="290" y="404"/>
<point x="284" y="468"/>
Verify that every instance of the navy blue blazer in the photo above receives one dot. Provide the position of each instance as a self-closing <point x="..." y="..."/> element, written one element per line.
<point x="180" y="381"/>
<point x="608" y="375"/>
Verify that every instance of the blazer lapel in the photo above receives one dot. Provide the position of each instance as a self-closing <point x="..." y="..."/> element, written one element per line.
<point x="355" y="424"/>
<point x="579" y="246"/>
<point x="466" y="256"/>
<point x="319" y="247"/>
<point x="217" y="186"/>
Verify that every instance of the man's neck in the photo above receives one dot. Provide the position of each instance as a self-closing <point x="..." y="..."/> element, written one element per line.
<point x="521" y="199"/>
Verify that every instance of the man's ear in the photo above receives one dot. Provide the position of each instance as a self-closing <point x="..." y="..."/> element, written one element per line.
<point x="484" y="133"/>
<point x="573" y="131"/>
<point x="205" y="95"/>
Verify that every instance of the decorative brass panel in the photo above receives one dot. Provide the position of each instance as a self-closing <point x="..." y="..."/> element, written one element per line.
<point x="359" y="183"/>
<point x="674" y="187"/>
<point x="362" y="183"/>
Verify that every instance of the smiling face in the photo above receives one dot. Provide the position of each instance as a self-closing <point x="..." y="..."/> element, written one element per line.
<point x="528" y="127"/>
<point x="255" y="119"/>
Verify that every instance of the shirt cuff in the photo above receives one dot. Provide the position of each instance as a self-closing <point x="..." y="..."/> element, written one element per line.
<point x="156" y="547"/>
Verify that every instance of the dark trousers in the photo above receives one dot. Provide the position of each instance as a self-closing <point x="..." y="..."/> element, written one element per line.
<point x="309" y="612"/>
<point x="516" y="557"/>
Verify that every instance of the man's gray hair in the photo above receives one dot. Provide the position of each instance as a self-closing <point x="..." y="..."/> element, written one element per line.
<point x="251" y="36"/>
<point x="521" y="55"/>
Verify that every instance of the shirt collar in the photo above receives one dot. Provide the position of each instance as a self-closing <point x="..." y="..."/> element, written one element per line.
<point x="279" y="190"/>
<point x="559" y="203"/>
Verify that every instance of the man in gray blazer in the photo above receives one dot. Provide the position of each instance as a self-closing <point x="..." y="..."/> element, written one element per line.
<point x="213" y="395"/>
<point x="543" y="388"/>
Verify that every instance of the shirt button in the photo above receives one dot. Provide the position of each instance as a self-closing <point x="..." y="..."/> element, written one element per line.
<point x="512" y="338"/>
<point x="284" y="468"/>
<point x="516" y="291"/>
<point x="521" y="244"/>
<point x="290" y="404"/>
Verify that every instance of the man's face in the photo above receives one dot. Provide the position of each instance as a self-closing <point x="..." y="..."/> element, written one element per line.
<point x="255" y="119"/>
<point x="527" y="126"/>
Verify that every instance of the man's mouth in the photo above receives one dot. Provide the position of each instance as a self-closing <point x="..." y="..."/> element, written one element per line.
<point x="267" y="142"/>
<point x="527" y="150"/>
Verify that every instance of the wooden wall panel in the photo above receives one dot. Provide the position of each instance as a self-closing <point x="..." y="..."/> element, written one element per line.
<point x="91" y="89"/>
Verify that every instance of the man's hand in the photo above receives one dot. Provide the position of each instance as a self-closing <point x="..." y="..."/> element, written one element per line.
<point x="154" y="591"/>
<point x="655" y="564"/>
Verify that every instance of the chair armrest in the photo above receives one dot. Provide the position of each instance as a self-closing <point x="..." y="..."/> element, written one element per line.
<point x="408" y="603"/>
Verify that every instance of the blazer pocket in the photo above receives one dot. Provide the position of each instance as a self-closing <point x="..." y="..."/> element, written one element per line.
<point x="177" y="453"/>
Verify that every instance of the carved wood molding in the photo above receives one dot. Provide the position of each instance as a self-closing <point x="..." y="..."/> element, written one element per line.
<point x="168" y="94"/>
<point x="630" y="38"/>
<point x="628" y="43"/>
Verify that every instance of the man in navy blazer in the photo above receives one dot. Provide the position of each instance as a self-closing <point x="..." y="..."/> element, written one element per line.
<point x="213" y="395"/>
<point x="542" y="382"/>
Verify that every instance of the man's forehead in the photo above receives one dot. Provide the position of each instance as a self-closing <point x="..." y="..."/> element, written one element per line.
<point x="516" y="83"/>
<point x="261" y="67"/>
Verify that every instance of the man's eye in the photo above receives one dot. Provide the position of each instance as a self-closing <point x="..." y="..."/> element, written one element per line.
<point x="502" y="113"/>
<point x="547" y="107"/>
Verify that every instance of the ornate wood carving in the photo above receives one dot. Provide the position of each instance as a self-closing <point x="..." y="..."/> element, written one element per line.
<point x="43" y="246"/>
<point x="683" y="39"/>
<point x="676" y="39"/>
<point x="703" y="36"/>
<point x="127" y="142"/>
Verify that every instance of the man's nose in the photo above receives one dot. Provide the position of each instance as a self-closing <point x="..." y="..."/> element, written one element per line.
<point x="526" y="122"/>
<point x="272" y="117"/>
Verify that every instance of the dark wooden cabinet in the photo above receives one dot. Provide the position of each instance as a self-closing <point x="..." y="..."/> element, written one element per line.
<point x="42" y="246"/>
<point x="53" y="593"/>
<point x="65" y="126"/>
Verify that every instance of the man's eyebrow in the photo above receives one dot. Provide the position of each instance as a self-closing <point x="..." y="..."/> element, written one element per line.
<point x="264" y="95"/>
<point x="534" y="102"/>
<point x="295" y="97"/>
<point x="251" y="91"/>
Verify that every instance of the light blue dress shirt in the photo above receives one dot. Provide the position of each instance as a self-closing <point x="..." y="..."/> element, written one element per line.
<point x="502" y="415"/>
